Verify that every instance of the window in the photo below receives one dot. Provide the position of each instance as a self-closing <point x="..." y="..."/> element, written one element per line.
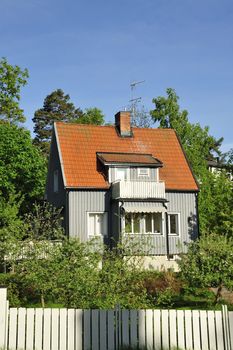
<point x="55" y="181"/>
<point x="173" y="224"/>
<point x="121" y="174"/>
<point x="97" y="224"/>
<point x="143" y="172"/>
<point x="148" y="223"/>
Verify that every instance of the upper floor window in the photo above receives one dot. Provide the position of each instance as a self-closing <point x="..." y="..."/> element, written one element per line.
<point x="174" y="224"/>
<point x="121" y="174"/>
<point x="55" y="181"/>
<point x="144" y="172"/>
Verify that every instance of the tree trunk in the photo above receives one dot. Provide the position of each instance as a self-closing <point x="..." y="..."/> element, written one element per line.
<point x="42" y="300"/>
<point x="219" y="293"/>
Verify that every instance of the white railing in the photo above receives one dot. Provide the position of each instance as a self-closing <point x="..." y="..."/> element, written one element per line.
<point x="138" y="189"/>
<point x="73" y="329"/>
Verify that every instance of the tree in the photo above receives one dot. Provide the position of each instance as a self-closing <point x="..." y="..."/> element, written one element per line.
<point x="12" y="227"/>
<point x="140" y="117"/>
<point x="198" y="144"/>
<point x="12" y="78"/>
<point x="199" y="147"/>
<point x="36" y="267"/>
<point x="91" y="116"/>
<point x="44" y="222"/>
<point x="57" y="107"/>
<point x="209" y="263"/>
<point x="22" y="166"/>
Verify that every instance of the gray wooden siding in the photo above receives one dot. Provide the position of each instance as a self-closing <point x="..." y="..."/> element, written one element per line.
<point x="83" y="201"/>
<point x="134" y="174"/>
<point x="185" y="204"/>
<point x="80" y="203"/>
<point x="56" y="198"/>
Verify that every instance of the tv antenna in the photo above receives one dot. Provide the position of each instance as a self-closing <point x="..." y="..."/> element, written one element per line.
<point x="134" y="100"/>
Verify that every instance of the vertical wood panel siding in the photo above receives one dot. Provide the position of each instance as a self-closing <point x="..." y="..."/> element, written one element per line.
<point x="185" y="204"/>
<point x="58" y="198"/>
<point x="82" y="202"/>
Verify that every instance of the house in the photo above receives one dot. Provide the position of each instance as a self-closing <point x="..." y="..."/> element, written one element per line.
<point x="119" y="180"/>
<point x="216" y="167"/>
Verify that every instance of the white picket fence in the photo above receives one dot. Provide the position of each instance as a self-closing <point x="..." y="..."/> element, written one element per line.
<point x="72" y="329"/>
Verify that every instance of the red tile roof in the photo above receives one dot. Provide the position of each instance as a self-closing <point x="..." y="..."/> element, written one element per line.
<point x="79" y="143"/>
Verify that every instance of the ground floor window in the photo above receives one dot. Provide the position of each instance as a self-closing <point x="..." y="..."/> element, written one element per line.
<point x="149" y="223"/>
<point x="174" y="224"/>
<point x="97" y="224"/>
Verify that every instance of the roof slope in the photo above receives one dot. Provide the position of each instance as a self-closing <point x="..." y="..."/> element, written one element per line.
<point x="78" y="144"/>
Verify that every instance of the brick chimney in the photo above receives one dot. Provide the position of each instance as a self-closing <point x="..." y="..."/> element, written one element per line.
<point x="123" y="124"/>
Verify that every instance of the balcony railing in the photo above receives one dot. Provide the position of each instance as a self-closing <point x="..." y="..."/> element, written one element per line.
<point x="138" y="189"/>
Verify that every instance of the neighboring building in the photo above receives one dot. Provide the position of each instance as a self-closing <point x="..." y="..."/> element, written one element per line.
<point x="216" y="167"/>
<point x="114" y="180"/>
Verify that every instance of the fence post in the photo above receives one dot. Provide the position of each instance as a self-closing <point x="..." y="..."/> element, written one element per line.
<point x="4" y="305"/>
<point x="226" y="327"/>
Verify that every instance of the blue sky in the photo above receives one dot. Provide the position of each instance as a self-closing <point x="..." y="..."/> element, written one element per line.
<point x="94" y="49"/>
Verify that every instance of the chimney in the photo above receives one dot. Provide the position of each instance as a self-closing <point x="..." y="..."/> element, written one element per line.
<point x="123" y="124"/>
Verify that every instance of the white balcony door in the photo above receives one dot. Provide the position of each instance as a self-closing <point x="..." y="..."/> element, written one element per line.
<point x="121" y="174"/>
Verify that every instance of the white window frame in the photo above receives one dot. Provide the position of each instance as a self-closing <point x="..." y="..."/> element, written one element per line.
<point x="55" y="181"/>
<point x="143" y="225"/>
<point x="178" y="224"/>
<point x="105" y="218"/>
<point x="147" y="174"/>
<point x="127" y="173"/>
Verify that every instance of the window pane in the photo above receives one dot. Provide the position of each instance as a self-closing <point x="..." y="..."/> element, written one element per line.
<point x="148" y="219"/>
<point x="99" y="224"/>
<point x="157" y="223"/>
<point x="143" y="171"/>
<point x="121" y="174"/>
<point x="91" y="224"/>
<point x="174" y="224"/>
<point x="136" y="223"/>
<point x="128" y="223"/>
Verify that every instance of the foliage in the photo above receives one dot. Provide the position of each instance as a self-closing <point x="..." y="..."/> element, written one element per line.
<point x="12" y="226"/>
<point x="220" y="219"/>
<point x="198" y="144"/>
<point x="199" y="147"/>
<point x="22" y="167"/>
<point x="44" y="222"/>
<point x="209" y="263"/>
<point x="91" y="116"/>
<point x="163" y="288"/>
<point x="36" y="266"/>
<point x="57" y="107"/>
<point x="141" y="118"/>
<point x="12" y="78"/>
<point x="78" y="274"/>
<point x="120" y="281"/>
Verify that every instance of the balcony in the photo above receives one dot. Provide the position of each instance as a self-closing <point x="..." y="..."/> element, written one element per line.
<point x="138" y="189"/>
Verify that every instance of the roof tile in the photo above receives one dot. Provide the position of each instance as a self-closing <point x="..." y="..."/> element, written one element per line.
<point x="80" y="143"/>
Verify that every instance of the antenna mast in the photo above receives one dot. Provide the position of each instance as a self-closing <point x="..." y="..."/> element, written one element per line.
<point x="134" y="100"/>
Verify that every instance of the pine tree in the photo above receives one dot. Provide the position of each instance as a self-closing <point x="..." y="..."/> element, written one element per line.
<point x="57" y="107"/>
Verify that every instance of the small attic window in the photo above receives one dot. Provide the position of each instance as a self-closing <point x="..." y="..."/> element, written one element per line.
<point x="143" y="172"/>
<point x="55" y="181"/>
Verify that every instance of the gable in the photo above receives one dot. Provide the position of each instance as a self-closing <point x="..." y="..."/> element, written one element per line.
<point x="79" y="145"/>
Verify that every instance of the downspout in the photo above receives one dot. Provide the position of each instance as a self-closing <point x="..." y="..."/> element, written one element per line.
<point x="67" y="214"/>
<point x="121" y="211"/>
<point x="167" y="238"/>
<point x="197" y="210"/>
